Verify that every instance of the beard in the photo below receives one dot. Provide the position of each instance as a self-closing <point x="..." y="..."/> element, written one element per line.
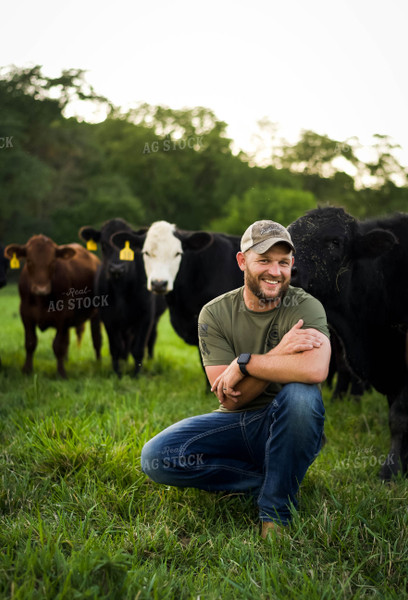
<point x="254" y="286"/>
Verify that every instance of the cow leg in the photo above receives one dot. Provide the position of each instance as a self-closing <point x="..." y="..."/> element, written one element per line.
<point x="125" y="344"/>
<point x="30" y="344"/>
<point x="152" y="340"/>
<point x="158" y="307"/>
<point x="347" y="382"/>
<point x="115" y="363"/>
<point x="96" y="335"/>
<point x="139" y="342"/>
<point x="79" y="329"/>
<point x="342" y="384"/>
<point x="115" y="345"/>
<point x="358" y="388"/>
<point x="142" y="334"/>
<point x="60" y="347"/>
<point x="338" y="365"/>
<point x="397" y="458"/>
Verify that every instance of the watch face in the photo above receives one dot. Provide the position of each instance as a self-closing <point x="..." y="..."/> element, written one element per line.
<point x="243" y="359"/>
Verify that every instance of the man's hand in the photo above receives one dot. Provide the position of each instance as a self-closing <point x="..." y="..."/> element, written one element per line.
<point x="224" y="384"/>
<point x="297" y="340"/>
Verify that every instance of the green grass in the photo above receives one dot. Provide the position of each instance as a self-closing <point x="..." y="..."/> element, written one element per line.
<point x="79" y="519"/>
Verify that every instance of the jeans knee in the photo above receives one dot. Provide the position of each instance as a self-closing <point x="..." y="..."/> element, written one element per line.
<point x="304" y="404"/>
<point x="150" y="460"/>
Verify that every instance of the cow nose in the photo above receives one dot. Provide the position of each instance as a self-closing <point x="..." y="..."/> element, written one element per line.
<point x="41" y="290"/>
<point x="117" y="269"/>
<point x="298" y="279"/>
<point x="294" y="277"/>
<point x="159" y="286"/>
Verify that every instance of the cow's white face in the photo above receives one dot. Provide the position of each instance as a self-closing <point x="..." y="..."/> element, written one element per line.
<point x="162" y="253"/>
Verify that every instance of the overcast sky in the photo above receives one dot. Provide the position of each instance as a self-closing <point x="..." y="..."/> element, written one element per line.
<point x="338" y="68"/>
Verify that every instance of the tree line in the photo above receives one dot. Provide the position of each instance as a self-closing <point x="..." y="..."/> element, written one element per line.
<point x="154" y="162"/>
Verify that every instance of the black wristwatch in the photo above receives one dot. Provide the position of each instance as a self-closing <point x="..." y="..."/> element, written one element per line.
<point x="243" y="360"/>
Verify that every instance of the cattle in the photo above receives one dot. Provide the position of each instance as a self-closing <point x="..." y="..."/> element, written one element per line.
<point x="133" y="312"/>
<point x="188" y="267"/>
<point x="359" y="271"/>
<point x="56" y="289"/>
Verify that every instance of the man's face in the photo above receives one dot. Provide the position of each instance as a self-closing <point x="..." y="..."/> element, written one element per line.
<point x="267" y="276"/>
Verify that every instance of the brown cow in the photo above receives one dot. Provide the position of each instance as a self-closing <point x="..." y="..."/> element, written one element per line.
<point x="57" y="290"/>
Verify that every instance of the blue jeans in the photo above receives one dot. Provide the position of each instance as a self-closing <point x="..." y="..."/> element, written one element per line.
<point x="263" y="452"/>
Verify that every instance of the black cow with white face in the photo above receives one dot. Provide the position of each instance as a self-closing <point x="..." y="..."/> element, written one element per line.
<point x="189" y="268"/>
<point x="130" y="313"/>
<point x="359" y="271"/>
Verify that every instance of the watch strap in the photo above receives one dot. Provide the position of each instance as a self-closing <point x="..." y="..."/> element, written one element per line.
<point x="243" y="369"/>
<point x="243" y="360"/>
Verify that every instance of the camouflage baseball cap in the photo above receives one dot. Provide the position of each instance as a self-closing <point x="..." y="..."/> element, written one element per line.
<point x="262" y="235"/>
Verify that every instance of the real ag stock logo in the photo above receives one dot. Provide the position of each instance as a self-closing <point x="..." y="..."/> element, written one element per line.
<point x="78" y="299"/>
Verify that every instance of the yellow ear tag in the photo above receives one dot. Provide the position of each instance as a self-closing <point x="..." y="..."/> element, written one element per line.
<point x="91" y="245"/>
<point x="14" y="262"/>
<point x="126" y="253"/>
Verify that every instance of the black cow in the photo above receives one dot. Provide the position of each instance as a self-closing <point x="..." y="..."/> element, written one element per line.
<point x="132" y="312"/>
<point x="359" y="271"/>
<point x="190" y="268"/>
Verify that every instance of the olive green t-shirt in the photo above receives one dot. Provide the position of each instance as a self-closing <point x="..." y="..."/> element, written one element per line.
<point x="227" y="328"/>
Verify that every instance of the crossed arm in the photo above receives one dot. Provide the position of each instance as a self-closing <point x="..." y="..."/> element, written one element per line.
<point x="302" y="355"/>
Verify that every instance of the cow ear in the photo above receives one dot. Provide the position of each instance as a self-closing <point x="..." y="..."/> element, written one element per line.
<point x="65" y="252"/>
<point x="89" y="233"/>
<point x="142" y="231"/>
<point x="17" y="249"/>
<point x="135" y="239"/>
<point x="196" y="240"/>
<point x="375" y="243"/>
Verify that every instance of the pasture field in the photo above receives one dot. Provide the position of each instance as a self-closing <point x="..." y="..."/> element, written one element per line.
<point x="80" y="520"/>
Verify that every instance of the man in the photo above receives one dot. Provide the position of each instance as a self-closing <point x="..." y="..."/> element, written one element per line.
<point x="265" y="348"/>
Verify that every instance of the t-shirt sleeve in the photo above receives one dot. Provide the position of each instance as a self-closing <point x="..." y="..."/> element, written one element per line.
<point x="214" y="346"/>
<point x="313" y="314"/>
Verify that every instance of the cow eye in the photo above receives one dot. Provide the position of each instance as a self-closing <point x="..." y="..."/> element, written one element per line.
<point x="146" y="253"/>
<point x="333" y="242"/>
<point x="179" y="254"/>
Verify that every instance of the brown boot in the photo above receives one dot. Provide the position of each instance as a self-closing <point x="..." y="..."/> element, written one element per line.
<point x="270" y="528"/>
